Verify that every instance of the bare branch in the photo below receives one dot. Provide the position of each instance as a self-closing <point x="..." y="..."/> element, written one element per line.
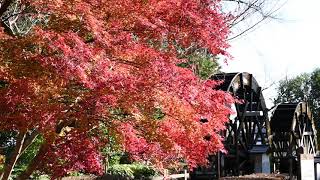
<point x="269" y="86"/>
<point x="248" y="29"/>
<point x="248" y="14"/>
<point x="29" y="140"/>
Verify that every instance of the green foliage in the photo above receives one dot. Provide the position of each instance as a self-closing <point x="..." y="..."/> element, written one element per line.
<point x="42" y="177"/>
<point x="158" y="115"/>
<point x="315" y="91"/>
<point x="132" y="171"/>
<point x="29" y="154"/>
<point x="7" y="142"/>
<point x="38" y="176"/>
<point x="314" y="99"/>
<point x="122" y="170"/>
<point x="294" y="90"/>
<point x="115" y="159"/>
<point x="75" y="173"/>
<point x="3" y="84"/>
<point x="202" y="63"/>
<point x="111" y="151"/>
<point x="142" y="171"/>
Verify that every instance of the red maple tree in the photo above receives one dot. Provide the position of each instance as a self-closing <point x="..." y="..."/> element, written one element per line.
<point x="112" y="62"/>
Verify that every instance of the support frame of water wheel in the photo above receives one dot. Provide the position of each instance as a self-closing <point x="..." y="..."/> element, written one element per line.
<point x="293" y="133"/>
<point x="246" y="133"/>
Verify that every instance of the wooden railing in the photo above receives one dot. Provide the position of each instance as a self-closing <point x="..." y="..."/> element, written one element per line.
<point x="166" y="176"/>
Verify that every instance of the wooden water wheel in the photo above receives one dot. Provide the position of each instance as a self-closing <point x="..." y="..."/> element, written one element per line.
<point x="246" y="132"/>
<point x="293" y="133"/>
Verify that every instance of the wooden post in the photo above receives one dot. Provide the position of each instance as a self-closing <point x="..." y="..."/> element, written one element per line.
<point x="291" y="168"/>
<point x="166" y="174"/>
<point x="306" y="166"/>
<point x="106" y="164"/>
<point x="185" y="175"/>
<point x="218" y="165"/>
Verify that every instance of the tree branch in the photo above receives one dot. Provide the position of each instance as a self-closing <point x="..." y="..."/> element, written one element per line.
<point x="29" y="141"/>
<point x="35" y="163"/>
<point x="246" y="10"/>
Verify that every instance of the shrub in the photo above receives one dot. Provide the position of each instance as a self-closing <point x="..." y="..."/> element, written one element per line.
<point x="131" y="171"/>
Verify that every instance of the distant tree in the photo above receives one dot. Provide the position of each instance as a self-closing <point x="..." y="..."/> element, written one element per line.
<point x="315" y="93"/>
<point x="294" y="89"/>
<point x="304" y="87"/>
<point x="201" y="62"/>
<point x="314" y="99"/>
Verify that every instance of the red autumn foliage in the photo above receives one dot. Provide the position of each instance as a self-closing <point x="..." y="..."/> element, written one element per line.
<point x="73" y="152"/>
<point x="94" y="56"/>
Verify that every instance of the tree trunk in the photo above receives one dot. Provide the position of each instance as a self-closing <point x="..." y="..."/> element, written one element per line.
<point x="35" y="163"/>
<point x="14" y="156"/>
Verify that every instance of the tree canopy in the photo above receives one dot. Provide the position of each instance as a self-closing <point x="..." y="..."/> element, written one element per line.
<point x="88" y="70"/>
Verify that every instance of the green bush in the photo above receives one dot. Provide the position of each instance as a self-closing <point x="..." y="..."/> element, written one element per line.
<point x="132" y="171"/>
<point x="122" y="170"/>
<point x="141" y="171"/>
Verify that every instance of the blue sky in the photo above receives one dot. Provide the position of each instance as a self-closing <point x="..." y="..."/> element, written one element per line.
<point x="280" y="48"/>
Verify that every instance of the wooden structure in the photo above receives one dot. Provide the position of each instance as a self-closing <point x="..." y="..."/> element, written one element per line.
<point x="251" y="138"/>
<point x="166" y="175"/>
<point x="246" y="132"/>
<point x="293" y="133"/>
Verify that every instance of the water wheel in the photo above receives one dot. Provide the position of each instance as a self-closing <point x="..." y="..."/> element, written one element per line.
<point x="246" y="132"/>
<point x="293" y="133"/>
